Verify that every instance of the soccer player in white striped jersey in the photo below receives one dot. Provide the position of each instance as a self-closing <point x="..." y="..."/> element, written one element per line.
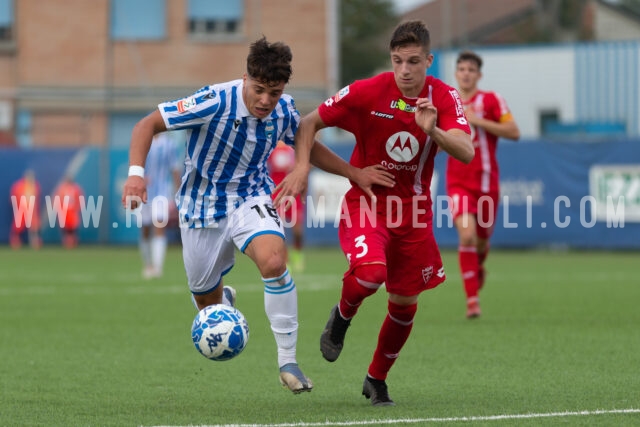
<point x="163" y="170"/>
<point x="224" y="198"/>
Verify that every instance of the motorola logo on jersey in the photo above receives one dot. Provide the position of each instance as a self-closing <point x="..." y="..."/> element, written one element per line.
<point x="402" y="146"/>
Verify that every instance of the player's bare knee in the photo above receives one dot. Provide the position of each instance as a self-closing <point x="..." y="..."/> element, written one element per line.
<point x="468" y="237"/>
<point x="273" y="266"/>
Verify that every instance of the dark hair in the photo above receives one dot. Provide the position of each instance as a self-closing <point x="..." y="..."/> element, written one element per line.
<point x="411" y="32"/>
<point x="269" y="62"/>
<point x="468" y="55"/>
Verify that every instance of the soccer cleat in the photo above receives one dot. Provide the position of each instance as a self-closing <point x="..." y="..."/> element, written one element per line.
<point x="332" y="338"/>
<point x="292" y="378"/>
<point x="149" y="273"/>
<point x="230" y="295"/>
<point x="297" y="260"/>
<point x="376" y="390"/>
<point x="473" y="308"/>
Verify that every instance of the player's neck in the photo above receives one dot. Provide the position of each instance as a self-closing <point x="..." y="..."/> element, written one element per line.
<point x="467" y="94"/>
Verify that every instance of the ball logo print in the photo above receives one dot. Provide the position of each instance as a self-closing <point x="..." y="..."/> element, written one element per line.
<point x="402" y="146"/>
<point x="220" y="332"/>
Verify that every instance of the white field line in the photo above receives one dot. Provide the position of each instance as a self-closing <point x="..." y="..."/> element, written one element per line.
<point x="434" y="420"/>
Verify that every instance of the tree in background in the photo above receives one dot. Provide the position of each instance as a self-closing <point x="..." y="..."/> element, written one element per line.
<point x="366" y="26"/>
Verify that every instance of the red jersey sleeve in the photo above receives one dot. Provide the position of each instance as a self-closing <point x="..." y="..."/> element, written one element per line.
<point x="449" y="104"/>
<point x="341" y="110"/>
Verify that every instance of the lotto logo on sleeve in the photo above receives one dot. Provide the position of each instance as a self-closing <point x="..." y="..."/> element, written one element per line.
<point x="456" y="98"/>
<point x="186" y="104"/>
<point x="341" y="94"/>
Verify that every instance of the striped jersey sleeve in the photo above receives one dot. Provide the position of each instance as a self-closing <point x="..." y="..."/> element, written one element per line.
<point x="226" y="149"/>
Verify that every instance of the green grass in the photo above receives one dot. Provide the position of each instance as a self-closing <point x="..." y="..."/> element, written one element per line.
<point x="84" y="341"/>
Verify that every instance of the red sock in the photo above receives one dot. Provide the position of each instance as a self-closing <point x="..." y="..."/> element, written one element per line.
<point x="482" y="256"/>
<point x="468" y="258"/>
<point x="361" y="283"/>
<point x="393" y="334"/>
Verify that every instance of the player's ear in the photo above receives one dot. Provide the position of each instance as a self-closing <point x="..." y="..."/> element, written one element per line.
<point x="429" y="60"/>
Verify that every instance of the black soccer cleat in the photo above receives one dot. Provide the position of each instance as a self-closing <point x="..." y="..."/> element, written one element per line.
<point x="332" y="338"/>
<point x="376" y="390"/>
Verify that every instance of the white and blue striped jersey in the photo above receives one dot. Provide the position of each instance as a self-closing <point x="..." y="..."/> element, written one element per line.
<point x="226" y="150"/>
<point x="164" y="159"/>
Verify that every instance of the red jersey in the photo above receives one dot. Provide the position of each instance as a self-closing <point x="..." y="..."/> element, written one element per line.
<point x="482" y="174"/>
<point x="22" y="190"/>
<point x="281" y="162"/>
<point x="73" y="193"/>
<point x="383" y="123"/>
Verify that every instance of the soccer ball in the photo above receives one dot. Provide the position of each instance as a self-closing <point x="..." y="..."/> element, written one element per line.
<point x="220" y="332"/>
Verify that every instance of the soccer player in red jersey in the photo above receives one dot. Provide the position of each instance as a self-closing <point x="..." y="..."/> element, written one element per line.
<point x="475" y="188"/>
<point x="282" y="161"/>
<point x="25" y="200"/>
<point x="400" y="119"/>
<point x="69" y="194"/>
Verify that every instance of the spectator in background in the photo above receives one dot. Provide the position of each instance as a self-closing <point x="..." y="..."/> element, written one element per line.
<point x="25" y="201"/>
<point x="68" y="194"/>
<point x="280" y="163"/>
<point x="164" y="167"/>
<point x="474" y="187"/>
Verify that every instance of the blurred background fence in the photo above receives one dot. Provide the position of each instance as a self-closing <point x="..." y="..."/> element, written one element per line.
<point x="75" y="76"/>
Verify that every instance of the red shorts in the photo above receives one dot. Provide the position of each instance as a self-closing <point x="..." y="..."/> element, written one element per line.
<point x="293" y="215"/>
<point x="484" y="206"/>
<point x="410" y="254"/>
<point x="33" y="225"/>
<point x="72" y="221"/>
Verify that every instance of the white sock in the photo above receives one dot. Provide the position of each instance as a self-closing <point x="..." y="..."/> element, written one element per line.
<point x="145" y="251"/>
<point x="158" y="251"/>
<point x="225" y="300"/>
<point x="281" y="306"/>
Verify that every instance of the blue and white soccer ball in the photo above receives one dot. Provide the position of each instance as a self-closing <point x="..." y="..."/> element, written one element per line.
<point x="220" y="332"/>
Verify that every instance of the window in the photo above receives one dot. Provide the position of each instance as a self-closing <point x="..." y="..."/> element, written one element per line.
<point x="6" y="20"/>
<point x="138" y="20"/>
<point x="215" y="17"/>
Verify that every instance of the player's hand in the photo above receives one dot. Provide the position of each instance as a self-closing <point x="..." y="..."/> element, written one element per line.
<point x="134" y="192"/>
<point x="426" y="115"/>
<point x="294" y="184"/>
<point x="369" y="176"/>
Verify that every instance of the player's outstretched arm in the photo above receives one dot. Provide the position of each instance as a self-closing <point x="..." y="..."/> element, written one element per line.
<point x="325" y="159"/>
<point x="295" y="182"/>
<point x="507" y="129"/>
<point x="134" y="190"/>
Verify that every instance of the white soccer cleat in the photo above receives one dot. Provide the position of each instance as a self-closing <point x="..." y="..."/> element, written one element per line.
<point x="292" y="378"/>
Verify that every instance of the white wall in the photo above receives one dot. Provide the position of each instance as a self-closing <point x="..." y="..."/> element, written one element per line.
<point x="531" y="79"/>
<point x="583" y="82"/>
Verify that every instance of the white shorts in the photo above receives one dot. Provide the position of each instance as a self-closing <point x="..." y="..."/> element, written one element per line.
<point x="156" y="212"/>
<point x="209" y="253"/>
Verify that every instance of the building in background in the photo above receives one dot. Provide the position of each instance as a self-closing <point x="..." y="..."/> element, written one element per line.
<point x="77" y="72"/>
<point x="570" y="67"/>
<point x="460" y="23"/>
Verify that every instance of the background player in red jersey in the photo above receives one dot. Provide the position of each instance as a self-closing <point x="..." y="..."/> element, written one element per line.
<point x="69" y="194"/>
<point x="399" y="120"/>
<point x="25" y="200"/>
<point x="475" y="188"/>
<point x="282" y="161"/>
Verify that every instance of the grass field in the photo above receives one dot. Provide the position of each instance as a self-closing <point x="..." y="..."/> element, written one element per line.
<point x="85" y="342"/>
